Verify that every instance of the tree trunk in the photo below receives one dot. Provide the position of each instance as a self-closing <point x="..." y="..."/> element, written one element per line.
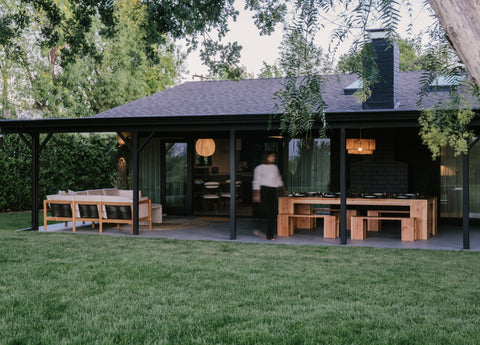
<point x="52" y="58"/>
<point x="461" y="21"/>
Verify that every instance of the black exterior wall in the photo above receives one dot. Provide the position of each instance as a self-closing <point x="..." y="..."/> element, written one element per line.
<point x="395" y="146"/>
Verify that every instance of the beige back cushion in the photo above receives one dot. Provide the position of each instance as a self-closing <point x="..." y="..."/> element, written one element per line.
<point x="95" y="192"/>
<point x="111" y="191"/>
<point x="129" y="193"/>
<point x="59" y="197"/>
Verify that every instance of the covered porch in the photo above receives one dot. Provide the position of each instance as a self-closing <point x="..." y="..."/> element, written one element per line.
<point x="449" y="237"/>
<point x="230" y="128"/>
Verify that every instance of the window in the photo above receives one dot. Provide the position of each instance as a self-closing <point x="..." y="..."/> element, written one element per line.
<point x="309" y="165"/>
<point x="452" y="183"/>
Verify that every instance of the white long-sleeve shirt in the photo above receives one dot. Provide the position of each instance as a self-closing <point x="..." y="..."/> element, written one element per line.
<point x="266" y="175"/>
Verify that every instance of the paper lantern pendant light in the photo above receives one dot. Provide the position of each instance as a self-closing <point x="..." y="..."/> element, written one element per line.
<point x="205" y="147"/>
<point x="360" y="146"/>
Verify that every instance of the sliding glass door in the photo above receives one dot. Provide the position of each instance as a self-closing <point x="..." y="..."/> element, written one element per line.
<point x="451" y="177"/>
<point x="176" y="179"/>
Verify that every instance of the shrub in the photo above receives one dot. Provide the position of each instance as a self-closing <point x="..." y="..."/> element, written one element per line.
<point x="68" y="161"/>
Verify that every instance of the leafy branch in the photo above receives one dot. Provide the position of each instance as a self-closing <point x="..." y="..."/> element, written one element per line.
<point x="302" y="105"/>
<point x="445" y="122"/>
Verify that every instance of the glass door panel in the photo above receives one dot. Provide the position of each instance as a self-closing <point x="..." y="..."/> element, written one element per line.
<point x="451" y="178"/>
<point x="176" y="176"/>
<point x="309" y="165"/>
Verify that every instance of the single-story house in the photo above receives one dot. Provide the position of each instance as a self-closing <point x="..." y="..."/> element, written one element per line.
<point x="164" y="128"/>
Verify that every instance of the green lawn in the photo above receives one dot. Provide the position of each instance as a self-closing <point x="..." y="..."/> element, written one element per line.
<point x="64" y="288"/>
<point x="17" y="220"/>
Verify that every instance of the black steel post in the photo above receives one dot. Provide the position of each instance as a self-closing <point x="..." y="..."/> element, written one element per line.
<point x="135" y="167"/>
<point x="466" y="201"/>
<point x="35" y="180"/>
<point x="233" y="187"/>
<point x="343" y="189"/>
<point x="284" y="162"/>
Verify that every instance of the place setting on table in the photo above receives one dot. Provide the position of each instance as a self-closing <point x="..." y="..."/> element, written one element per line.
<point x="314" y="195"/>
<point x="389" y="196"/>
<point x="376" y="195"/>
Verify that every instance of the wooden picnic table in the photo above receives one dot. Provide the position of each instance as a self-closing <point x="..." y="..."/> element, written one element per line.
<point x="423" y="209"/>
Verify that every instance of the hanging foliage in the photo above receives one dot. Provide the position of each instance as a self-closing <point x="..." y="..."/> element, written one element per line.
<point x="301" y="105"/>
<point x="445" y="122"/>
<point x="300" y="102"/>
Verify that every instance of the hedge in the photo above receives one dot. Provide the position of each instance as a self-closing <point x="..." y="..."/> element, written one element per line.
<point x="68" y="162"/>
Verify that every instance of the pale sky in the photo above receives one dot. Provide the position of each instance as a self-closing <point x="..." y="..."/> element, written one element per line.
<point x="257" y="49"/>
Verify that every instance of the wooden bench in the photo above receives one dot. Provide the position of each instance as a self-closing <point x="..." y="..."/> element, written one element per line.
<point x="375" y="224"/>
<point x="359" y="227"/>
<point x="286" y="224"/>
<point x="350" y="214"/>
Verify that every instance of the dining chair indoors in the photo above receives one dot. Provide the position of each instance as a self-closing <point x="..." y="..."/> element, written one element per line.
<point x="211" y="194"/>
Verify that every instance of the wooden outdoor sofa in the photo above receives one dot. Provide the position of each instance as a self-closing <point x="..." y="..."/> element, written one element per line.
<point x="98" y="206"/>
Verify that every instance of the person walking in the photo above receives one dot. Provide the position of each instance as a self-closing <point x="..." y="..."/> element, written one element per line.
<point x="267" y="185"/>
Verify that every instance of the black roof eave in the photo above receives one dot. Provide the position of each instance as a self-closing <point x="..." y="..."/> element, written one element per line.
<point x="202" y="123"/>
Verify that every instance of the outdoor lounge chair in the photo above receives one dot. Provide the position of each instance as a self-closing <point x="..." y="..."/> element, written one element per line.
<point x="61" y="210"/>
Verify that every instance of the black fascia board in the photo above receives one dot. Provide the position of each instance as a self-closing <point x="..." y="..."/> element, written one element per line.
<point x="202" y="123"/>
<point x="194" y="123"/>
<point x="373" y="119"/>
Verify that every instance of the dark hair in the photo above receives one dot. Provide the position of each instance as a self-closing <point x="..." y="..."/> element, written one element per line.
<point x="265" y="156"/>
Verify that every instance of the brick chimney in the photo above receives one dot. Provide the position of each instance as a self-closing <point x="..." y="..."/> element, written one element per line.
<point x="385" y="91"/>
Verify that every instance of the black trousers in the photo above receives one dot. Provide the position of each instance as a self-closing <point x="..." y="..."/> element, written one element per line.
<point x="269" y="208"/>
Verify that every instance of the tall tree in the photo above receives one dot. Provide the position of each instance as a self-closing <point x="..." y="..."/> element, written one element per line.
<point x="78" y="58"/>
<point x="411" y="57"/>
<point x="12" y="24"/>
<point x="269" y="71"/>
<point x="461" y="21"/>
<point x="300" y="98"/>
<point x="299" y="54"/>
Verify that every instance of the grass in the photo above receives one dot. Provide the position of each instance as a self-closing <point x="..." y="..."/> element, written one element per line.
<point x="91" y="289"/>
<point x="17" y="220"/>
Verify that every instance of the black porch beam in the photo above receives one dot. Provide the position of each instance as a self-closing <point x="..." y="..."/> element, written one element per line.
<point x="146" y="141"/>
<point x="233" y="187"/>
<point x="26" y="141"/>
<point x="472" y="144"/>
<point x="35" y="148"/>
<point x="135" y="149"/>
<point x="200" y="123"/>
<point x="35" y="181"/>
<point x="465" y="200"/>
<point x="343" y="188"/>
<point x="466" y="194"/>
<point x="45" y="141"/>
<point x="135" y="166"/>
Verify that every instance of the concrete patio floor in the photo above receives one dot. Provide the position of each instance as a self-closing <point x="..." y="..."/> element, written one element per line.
<point x="449" y="237"/>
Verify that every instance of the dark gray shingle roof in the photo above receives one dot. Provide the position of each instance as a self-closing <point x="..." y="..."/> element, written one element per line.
<point x="250" y="96"/>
